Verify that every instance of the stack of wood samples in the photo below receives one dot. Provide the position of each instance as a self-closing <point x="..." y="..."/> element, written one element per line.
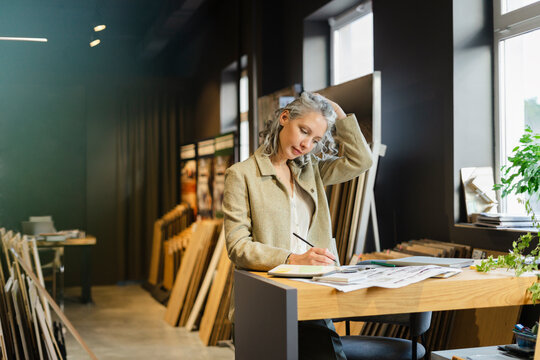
<point x="201" y="294"/>
<point x="215" y="323"/>
<point x="173" y="251"/>
<point x="192" y="270"/>
<point x="427" y="247"/>
<point x="345" y="202"/>
<point x="26" y="327"/>
<point x="352" y="204"/>
<point x="166" y="228"/>
<point x="195" y="317"/>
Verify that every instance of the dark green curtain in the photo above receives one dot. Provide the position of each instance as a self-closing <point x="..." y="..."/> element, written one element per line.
<point x="147" y="176"/>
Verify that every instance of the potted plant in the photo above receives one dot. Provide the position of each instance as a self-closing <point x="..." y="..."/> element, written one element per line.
<point x="521" y="177"/>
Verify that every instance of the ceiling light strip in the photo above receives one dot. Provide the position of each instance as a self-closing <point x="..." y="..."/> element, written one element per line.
<point x="6" y="38"/>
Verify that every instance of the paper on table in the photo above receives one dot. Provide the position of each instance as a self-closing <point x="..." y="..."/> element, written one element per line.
<point x="382" y="277"/>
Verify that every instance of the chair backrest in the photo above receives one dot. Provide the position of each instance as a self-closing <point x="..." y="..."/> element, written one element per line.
<point x="419" y="323"/>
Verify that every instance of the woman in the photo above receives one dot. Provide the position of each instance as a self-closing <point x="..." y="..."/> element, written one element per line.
<point x="279" y="190"/>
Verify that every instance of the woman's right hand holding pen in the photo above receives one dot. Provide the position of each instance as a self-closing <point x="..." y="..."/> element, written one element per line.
<point x="314" y="256"/>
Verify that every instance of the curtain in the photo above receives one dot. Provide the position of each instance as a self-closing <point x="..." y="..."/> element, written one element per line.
<point x="147" y="166"/>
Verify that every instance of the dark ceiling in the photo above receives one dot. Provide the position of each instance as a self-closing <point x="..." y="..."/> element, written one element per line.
<point x="136" y="29"/>
<point x="71" y="20"/>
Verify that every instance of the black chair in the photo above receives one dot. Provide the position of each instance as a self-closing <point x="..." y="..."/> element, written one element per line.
<point x="359" y="347"/>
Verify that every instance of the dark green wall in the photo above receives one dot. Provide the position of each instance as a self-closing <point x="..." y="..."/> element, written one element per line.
<point x="103" y="111"/>
<point x="58" y="157"/>
<point x="59" y="108"/>
<point x="43" y="154"/>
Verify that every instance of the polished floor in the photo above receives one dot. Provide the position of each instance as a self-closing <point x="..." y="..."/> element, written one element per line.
<point x="125" y="322"/>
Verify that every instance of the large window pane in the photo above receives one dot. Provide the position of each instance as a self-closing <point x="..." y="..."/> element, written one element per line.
<point x="511" y="5"/>
<point x="244" y="123"/>
<point x="520" y="95"/>
<point x="353" y="50"/>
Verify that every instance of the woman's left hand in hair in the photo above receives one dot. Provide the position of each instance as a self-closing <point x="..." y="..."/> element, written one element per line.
<point x="339" y="111"/>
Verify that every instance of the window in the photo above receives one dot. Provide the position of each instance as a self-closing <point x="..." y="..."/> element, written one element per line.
<point x="511" y="5"/>
<point x="234" y="93"/>
<point x="244" y="109"/>
<point x="517" y="80"/>
<point x="351" y="44"/>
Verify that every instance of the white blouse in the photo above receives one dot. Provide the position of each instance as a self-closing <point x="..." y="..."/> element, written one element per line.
<point x="302" y="208"/>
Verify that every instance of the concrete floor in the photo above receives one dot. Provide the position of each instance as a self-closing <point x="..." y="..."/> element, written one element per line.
<point x="125" y="322"/>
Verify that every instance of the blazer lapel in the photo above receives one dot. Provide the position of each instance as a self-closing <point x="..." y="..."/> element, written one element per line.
<point x="306" y="180"/>
<point x="267" y="169"/>
<point x="264" y="163"/>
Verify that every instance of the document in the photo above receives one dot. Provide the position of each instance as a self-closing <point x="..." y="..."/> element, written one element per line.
<point x="382" y="277"/>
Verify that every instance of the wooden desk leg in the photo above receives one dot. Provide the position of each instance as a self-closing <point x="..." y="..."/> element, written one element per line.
<point x="266" y="313"/>
<point x="86" y="268"/>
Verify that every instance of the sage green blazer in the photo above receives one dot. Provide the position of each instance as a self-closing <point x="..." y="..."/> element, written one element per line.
<point x="257" y="205"/>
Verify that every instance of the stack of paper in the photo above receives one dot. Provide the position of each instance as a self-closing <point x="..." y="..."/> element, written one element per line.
<point x="499" y="220"/>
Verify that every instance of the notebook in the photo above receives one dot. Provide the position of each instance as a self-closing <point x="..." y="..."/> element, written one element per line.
<point x="302" y="271"/>
<point x="430" y="260"/>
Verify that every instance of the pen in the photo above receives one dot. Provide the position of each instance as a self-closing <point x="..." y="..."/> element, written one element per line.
<point x="310" y="244"/>
<point x="304" y="240"/>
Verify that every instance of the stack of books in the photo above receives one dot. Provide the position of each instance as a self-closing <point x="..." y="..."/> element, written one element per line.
<point x="501" y="221"/>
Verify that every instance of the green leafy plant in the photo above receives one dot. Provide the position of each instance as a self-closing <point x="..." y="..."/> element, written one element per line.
<point x="521" y="177"/>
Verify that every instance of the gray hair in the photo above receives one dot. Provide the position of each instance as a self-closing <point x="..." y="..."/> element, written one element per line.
<point x="308" y="102"/>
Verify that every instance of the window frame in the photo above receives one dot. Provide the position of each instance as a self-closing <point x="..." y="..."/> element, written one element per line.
<point x="343" y="19"/>
<point x="506" y="26"/>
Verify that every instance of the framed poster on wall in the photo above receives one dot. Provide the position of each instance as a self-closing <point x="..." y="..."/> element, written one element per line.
<point x="205" y="174"/>
<point x="188" y="175"/>
<point x="223" y="158"/>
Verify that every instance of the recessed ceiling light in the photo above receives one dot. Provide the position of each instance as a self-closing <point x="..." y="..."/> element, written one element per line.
<point x="95" y="42"/>
<point x="99" y="27"/>
<point x="8" y="38"/>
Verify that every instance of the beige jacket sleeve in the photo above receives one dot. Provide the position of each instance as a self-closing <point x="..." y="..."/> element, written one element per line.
<point x="356" y="157"/>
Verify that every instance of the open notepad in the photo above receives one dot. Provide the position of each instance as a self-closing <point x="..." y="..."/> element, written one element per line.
<point x="302" y="271"/>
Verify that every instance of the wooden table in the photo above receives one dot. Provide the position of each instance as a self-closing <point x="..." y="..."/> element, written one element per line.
<point x="268" y="309"/>
<point x="85" y="244"/>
